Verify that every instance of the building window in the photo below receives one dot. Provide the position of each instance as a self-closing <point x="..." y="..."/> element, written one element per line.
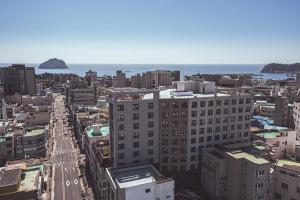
<point x="136" y="135"/>
<point x="284" y="186"/>
<point x="150" y="142"/>
<point x="201" y="139"/>
<point x="194" y="113"/>
<point x="210" y="103"/>
<point x="136" y="106"/>
<point x="201" y="131"/>
<point x="121" y="146"/>
<point x="193" y="140"/>
<point x="202" y="104"/>
<point x="201" y="122"/>
<point x="121" y="117"/>
<point x="135" y="116"/>
<point x="194" y="104"/>
<point x="175" y="105"/>
<point x="165" y="123"/>
<point x="209" y="138"/>
<point x="150" y="105"/>
<point x="136" y="126"/>
<point x="165" y="105"/>
<point x="150" y="124"/>
<point x="194" y="123"/>
<point x="136" y="144"/>
<point x="193" y="131"/>
<point x="259" y="186"/>
<point x="241" y="101"/>
<point x="184" y="105"/>
<point x="259" y="173"/>
<point x="202" y="112"/>
<point x="120" y="107"/>
<point x="150" y="115"/>
<point x="233" y="101"/>
<point x="121" y="156"/>
<point x="150" y="133"/>
<point x="218" y="103"/>
<point x="210" y="112"/>
<point x="121" y="127"/>
<point x="136" y="153"/>
<point x="147" y="190"/>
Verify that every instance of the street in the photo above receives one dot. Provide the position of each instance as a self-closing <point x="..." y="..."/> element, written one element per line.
<point x="66" y="183"/>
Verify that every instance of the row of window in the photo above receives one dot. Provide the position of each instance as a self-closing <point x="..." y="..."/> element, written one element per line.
<point x="121" y="146"/>
<point x="135" y="116"/>
<point x="121" y="127"/>
<point x="203" y="104"/>
<point x="135" y="106"/>
<point x="121" y="136"/>
<point x="150" y="152"/>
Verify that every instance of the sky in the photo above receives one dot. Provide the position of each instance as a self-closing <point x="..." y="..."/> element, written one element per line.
<point x="150" y="31"/>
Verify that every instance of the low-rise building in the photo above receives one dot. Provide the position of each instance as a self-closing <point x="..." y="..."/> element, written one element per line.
<point x="21" y="183"/>
<point x="136" y="182"/>
<point x="235" y="175"/>
<point x="286" y="180"/>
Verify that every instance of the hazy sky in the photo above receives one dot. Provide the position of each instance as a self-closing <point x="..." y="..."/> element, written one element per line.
<point x="150" y="31"/>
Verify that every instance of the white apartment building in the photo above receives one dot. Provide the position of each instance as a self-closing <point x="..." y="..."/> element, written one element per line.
<point x="172" y="127"/>
<point x="134" y="125"/>
<point x="195" y="117"/>
<point x="286" y="180"/>
<point x="137" y="182"/>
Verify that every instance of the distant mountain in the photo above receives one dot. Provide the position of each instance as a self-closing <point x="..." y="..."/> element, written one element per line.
<point x="281" y="68"/>
<point x="53" y="63"/>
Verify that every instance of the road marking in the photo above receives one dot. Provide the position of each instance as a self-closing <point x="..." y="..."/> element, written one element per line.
<point x="75" y="181"/>
<point x="68" y="183"/>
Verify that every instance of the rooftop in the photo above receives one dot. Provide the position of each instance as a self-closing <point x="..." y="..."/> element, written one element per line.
<point x="239" y="154"/>
<point x="10" y="177"/>
<point x="290" y="164"/>
<point x="134" y="175"/>
<point x="104" y="131"/>
<point x="268" y="134"/>
<point x="35" y="132"/>
<point x="29" y="179"/>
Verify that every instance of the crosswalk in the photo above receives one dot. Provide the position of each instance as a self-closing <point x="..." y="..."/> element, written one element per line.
<point x="64" y="151"/>
<point x="72" y="163"/>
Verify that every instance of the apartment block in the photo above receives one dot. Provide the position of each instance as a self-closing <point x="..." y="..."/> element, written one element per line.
<point x="18" y="79"/>
<point x="120" y="79"/>
<point x="154" y="79"/>
<point x="172" y="127"/>
<point x="134" y="125"/>
<point x="196" y="116"/>
<point x="136" y="182"/>
<point x="286" y="180"/>
<point x="82" y="96"/>
<point x="248" y="176"/>
<point x="90" y="77"/>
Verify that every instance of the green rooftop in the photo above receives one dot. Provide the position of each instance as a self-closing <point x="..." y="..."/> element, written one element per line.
<point x="281" y="163"/>
<point x="29" y="177"/>
<point x="35" y="132"/>
<point x="268" y="135"/>
<point x="104" y="131"/>
<point x="239" y="154"/>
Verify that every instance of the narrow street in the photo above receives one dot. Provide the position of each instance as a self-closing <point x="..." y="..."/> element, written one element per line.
<point x="66" y="183"/>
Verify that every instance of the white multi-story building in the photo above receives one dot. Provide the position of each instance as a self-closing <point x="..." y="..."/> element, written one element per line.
<point x="172" y="127"/>
<point x="136" y="182"/>
<point x="134" y="125"/>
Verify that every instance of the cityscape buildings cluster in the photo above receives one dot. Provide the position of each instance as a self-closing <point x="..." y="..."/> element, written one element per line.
<point x="150" y="136"/>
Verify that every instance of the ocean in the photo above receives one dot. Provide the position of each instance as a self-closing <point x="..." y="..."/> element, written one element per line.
<point x="185" y="69"/>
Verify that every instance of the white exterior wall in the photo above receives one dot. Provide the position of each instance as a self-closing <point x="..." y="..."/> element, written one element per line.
<point x="138" y="192"/>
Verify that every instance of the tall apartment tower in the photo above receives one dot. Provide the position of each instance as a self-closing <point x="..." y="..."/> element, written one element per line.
<point x="171" y="127"/>
<point x="120" y="79"/>
<point x="18" y="79"/>
<point x="196" y="117"/>
<point x="134" y="125"/>
<point x="281" y="111"/>
<point x="90" y="77"/>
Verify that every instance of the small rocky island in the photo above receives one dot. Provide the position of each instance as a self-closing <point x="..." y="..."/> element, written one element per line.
<point x="53" y="63"/>
<point x="281" y="68"/>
